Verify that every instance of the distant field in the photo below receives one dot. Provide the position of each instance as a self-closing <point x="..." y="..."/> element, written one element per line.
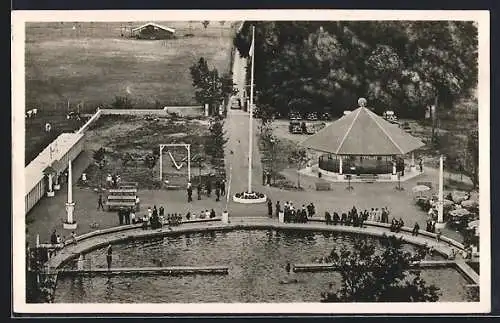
<point x="93" y="62"/>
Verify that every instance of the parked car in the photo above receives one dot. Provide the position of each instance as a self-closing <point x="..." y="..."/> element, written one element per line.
<point x="295" y="127"/>
<point x="235" y="103"/>
<point x="326" y="116"/>
<point x="390" y="116"/>
<point x="294" y="115"/>
<point x="312" y="116"/>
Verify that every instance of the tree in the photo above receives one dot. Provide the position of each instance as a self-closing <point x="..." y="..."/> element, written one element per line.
<point x="368" y="276"/>
<point x="100" y="161"/>
<point x="397" y="65"/>
<point x="210" y="88"/>
<point x="471" y="163"/>
<point x="298" y="157"/>
<point x="205" y="23"/>
<point x="122" y="102"/>
<point x="216" y="141"/>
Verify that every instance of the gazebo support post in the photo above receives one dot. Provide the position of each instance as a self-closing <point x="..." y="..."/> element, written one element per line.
<point x="413" y="168"/>
<point x="394" y="175"/>
<point x="340" y="167"/>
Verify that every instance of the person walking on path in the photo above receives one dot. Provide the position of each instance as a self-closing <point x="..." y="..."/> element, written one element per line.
<point x="73" y="237"/>
<point x="190" y="194"/>
<point x="209" y="188"/>
<point x="416" y="227"/>
<point x="223" y="187"/>
<point x="438" y="236"/>
<point x="278" y="208"/>
<point x="198" y="190"/>
<point x="217" y="194"/>
<point x="53" y="237"/>
<point x="120" y="216"/>
<point x="109" y="256"/>
<point x="99" y="203"/>
<point x="269" y="208"/>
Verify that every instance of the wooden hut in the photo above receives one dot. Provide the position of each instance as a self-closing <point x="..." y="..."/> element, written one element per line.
<point x="153" y="31"/>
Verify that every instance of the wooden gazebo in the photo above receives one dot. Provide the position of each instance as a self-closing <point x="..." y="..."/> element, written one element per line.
<point x="362" y="142"/>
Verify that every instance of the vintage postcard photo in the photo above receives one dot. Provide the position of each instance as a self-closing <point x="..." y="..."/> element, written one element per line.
<point x="252" y="161"/>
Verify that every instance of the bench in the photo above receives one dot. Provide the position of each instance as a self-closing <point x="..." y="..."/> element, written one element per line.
<point x="112" y="205"/>
<point x="368" y="178"/>
<point x="323" y="186"/>
<point x="122" y="198"/>
<point x="125" y="185"/>
<point x="130" y="191"/>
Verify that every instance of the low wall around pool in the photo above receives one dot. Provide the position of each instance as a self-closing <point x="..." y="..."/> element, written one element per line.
<point x="102" y="238"/>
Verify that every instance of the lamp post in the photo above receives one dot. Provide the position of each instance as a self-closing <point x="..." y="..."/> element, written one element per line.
<point x="273" y="155"/>
<point x="440" y="222"/>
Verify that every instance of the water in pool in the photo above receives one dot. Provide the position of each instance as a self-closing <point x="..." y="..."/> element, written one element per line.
<point x="256" y="261"/>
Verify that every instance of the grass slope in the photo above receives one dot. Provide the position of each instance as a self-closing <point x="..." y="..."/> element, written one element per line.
<point x="93" y="63"/>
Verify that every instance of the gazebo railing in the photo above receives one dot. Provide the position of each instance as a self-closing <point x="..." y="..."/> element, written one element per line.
<point x="363" y="166"/>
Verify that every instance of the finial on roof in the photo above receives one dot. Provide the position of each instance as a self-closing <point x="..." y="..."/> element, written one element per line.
<point x="362" y="102"/>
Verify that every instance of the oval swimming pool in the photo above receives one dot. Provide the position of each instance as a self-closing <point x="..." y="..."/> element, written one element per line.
<point x="256" y="261"/>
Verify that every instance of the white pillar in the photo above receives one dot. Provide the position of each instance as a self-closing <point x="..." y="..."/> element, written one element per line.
<point x="161" y="163"/>
<point x="225" y="217"/>
<point x="206" y="109"/>
<point x="440" y="220"/>
<point x="50" y="192"/>
<point x="70" y="183"/>
<point x="37" y="240"/>
<point x="250" y="121"/>
<point x="412" y="160"/>
<point x="57" y="185"/>
<point x="189" y="162"/>
<point x="70" y="205"/>
<point x="340" y="165"/>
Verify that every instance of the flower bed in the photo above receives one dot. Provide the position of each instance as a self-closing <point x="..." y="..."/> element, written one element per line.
<point x="250" y="197"/>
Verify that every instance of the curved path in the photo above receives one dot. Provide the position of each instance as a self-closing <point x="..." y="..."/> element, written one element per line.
<point x="94" y="241"/>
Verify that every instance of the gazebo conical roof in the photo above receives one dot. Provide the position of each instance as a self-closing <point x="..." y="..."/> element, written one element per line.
<point x="362" y="132"/>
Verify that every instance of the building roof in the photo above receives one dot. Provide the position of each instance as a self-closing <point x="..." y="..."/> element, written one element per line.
<point x="362" y="132"/>
<point x="33" y="173"/>
<point x="154" y="25"/>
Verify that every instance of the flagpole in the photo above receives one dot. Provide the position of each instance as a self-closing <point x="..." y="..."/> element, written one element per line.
<point x="250" y="122"/>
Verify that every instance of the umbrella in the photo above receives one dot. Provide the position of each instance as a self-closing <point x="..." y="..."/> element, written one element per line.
<point x="459" y="212"/>
<point x="421" y="188"/>
<point x="473" y="224"/>
<point x="469" y="204"/>
<point x="447" y="203"/>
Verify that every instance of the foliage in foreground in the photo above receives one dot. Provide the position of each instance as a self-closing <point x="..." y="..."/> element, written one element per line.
<point x="386" y="277"/>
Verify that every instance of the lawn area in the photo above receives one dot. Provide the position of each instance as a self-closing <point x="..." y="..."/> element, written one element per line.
<point x="137" y="137"/>
<point x="37" y="138"/>
<point x="94" y="63"/>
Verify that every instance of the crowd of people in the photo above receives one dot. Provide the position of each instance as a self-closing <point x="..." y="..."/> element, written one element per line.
<point x="219" y="189"/>
<point x="357" y="218"/>
<point x="291" y="214"/>
<point x="156" y="218"/>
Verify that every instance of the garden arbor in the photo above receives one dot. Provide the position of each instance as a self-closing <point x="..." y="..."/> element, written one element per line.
<point x="362" y="143"/>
